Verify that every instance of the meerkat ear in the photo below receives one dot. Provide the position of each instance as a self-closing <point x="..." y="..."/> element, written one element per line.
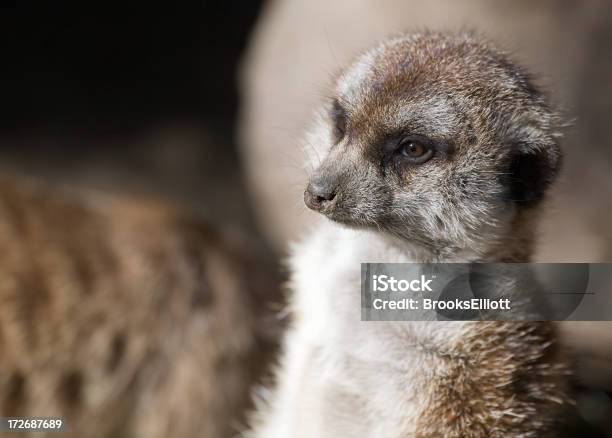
<point x="532" y="169"/>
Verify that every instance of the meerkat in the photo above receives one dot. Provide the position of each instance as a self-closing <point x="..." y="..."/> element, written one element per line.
<point x="433" y="148"/>
<point x="126" y="317"/>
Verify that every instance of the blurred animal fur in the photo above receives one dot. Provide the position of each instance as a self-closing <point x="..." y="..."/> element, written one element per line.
<point x="127" y="318"/>
<point x="433" y="148"/>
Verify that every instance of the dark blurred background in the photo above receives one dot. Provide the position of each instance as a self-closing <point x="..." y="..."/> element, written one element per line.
<point x="138" y="97"/>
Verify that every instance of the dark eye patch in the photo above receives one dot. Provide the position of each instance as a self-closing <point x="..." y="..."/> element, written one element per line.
<point x="415" y="151"/>
<point x="402" y="149"/>
<point x="339" y="119"/>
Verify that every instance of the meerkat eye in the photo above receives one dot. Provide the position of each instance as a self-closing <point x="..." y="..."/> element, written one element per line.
<point x="415" y="151"/>
<point x="339" y="119"/>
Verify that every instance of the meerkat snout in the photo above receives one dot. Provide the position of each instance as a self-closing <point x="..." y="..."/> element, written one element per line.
<point x="437" y="139"/>
<point x="320" y="194"/>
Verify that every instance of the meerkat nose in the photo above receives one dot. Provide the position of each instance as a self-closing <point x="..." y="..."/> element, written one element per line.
<point x="320" y="193"/>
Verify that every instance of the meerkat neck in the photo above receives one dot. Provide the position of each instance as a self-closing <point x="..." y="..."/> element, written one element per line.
<point x="517" y="246"/>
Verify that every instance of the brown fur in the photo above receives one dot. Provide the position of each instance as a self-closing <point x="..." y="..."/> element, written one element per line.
<point x="505" y="379"/>
<point x="128" y="319"/>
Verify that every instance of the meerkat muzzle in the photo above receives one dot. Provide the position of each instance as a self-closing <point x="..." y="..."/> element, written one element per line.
<point x="320" y="194"/>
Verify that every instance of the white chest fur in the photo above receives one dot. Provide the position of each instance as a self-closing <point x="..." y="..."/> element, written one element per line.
<point x="340" y="376"/>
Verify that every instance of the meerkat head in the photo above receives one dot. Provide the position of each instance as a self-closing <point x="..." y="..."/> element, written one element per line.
<point x="437" y="139"/>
